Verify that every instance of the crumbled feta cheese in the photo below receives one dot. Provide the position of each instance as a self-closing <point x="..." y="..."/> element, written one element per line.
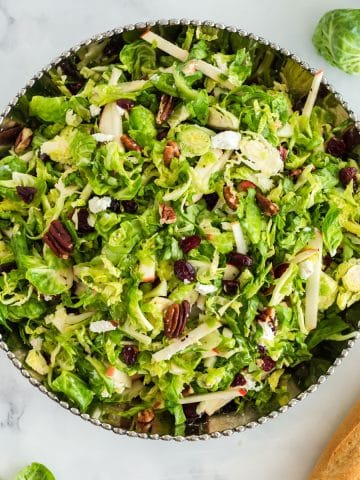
<point x="101" y="326"/>
<point x="102" y="137"/>
<point x="72" y="119"/>
<point x="47" y="298"/>
<point x="227" y="140"/>
<point x="99" y="204"/>
<point x="94" y="110"/>
<point x="306" y="269"/>
<point x="205" y="289"/>
<point x="227" y="332"/>
<point x="268" y="334"/>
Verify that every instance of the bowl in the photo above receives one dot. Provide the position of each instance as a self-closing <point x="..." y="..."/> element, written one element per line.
<point x="223" y="424"/>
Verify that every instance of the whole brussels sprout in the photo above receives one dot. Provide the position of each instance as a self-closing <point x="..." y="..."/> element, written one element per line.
<point x="337" y="39"/>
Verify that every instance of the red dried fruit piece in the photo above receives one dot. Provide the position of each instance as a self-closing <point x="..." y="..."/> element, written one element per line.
<point x="129" y="354"/>
<point x="239" y="260"/>
<point x="283" y="153"/>
<point x="336" y="147"/>
<point x="189" y="410"/>
<point x="125" y="103"/>
<point x="347" y="174"/>
<point x="267" y="363"/>
<point x="83" y="225"/>
<point x="130" y="206"/>
<point x="162" y="134"/>
<point x="230" y="287"/>
<point x="115" y="205"/>
<point x="7" y="267"/>
<point x="26" y="194"/>
<point x="184" y="271"/>
<point x="280" y="269"/>
<point x="239" y="380"/>
<point x="244" y="185"/>
<point x="351" y="138"/>
<point x="211" y="200"/>
<point x="190" y="242"/>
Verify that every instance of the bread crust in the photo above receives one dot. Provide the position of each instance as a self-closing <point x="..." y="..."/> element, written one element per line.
<point x="341" y="458"/>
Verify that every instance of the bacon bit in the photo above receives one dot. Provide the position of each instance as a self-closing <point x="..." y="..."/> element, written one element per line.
<point x="242" y="392"/>
<point x="244" y="185"/>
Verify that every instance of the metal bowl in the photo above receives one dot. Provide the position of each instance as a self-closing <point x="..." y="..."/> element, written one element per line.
<point x="224" y="424"/>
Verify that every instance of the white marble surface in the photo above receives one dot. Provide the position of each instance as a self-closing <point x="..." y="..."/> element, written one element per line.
<point x="33" y="428"/>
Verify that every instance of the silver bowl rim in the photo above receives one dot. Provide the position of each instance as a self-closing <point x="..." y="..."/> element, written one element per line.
<point x="178" y="438"/>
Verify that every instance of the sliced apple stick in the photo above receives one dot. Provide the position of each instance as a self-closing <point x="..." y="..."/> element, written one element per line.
<point x="311" y="98"/>
<point x="313" y="285"/>
<point x="204" y="397"/>
<point x="180" y="54"/>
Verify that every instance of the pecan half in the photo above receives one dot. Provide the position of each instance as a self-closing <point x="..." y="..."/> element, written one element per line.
<point x="268" y="207"/>
<point x="167" y="214"/>
<point x="59" y="240"/>
<point x="129" y="143"/>
<point x="175" y="318"/>
<point x="170" y="151"/>
<point x="165" y="108"/>
<point x="9" y="134"/>
<point x="230" y="197"/>
<point x="268" y="315"/>
<point x="146" y="416"/>
<point x="294" y="174"/>
<point x="23" y="140"/>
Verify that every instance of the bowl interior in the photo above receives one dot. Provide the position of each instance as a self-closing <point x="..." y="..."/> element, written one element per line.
<point x="269" y="58"/>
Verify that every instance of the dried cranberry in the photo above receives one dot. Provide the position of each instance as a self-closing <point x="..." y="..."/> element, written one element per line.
<point x="336" y="147"/>
<point x="244" y="185"/>
<point x="184" y="271"/>
<point x="351" y="138"/>
<point x="189" y="410"/>
<point x="115" y="205"/>
<point x="190" y="242"/>
<point x="75" y="87"/>
<point x="239" y="380"/>
<point x="239" y="260"/>
<point x="267" y="363"/>
<point x="44" y="157"/>
<point x="327" y="261"/>
<point x="113" y="46"/>
<point x="7" y="267"/>
<point x="347" y="174"/>
<point x="125" y="104"/>
<point x="230" y="287"/>
<point x="26" y="194"/>
<point x="283" y="153"/>
<point x="211" y="200"/>
<point x="83" y="225"/>
<point x="130" y="206"/>
<point x="69" y="69"/>
<point x="129" y="354"/>
<point x="280" y="269"/>
<point x="162" y="134"/>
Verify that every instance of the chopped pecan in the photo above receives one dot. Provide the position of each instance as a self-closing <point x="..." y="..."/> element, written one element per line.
<point x="167" y="214"/>
<point x="129" y="143"/>
<point x="283" y="153"/>
<point x="165" y="108"/>
<point x="146" y="416"/>
<point x="170" y="151"/>
<point x="9" y="134"/>
<point x="23" y="140"/>
<point x="59" y="240"/>
<point x="268" y="315"/>
<point x="230" y="197"/>
<point x="175" y="318"/>
<point x="294" y="174"/>
<point x="268" y="207"/>
<point x="26" y="194"/>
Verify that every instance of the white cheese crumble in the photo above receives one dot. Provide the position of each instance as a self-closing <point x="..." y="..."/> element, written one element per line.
<point x="205" y="289"/>
<point x="306" y="269"/>
<point x="47" y="298"/>
<point x="103" y="137"/>
<point x="101" y="326"/>
<point x="268" y="334"/>
<point x="91" y="220"/>
<point x="99" y="204"/>
<point x="94" y="110"/>
<point x="227" y="140"/>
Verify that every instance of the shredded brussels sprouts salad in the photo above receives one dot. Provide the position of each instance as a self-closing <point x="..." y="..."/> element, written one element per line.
<point x="179" y="225"/>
